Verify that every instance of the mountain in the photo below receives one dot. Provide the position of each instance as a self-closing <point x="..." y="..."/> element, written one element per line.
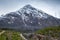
<point x="29" y="19"/>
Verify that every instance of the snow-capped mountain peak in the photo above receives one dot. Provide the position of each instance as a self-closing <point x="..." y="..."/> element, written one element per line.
<point x="29" y="7"/>
<point x="28" y="10"/>
<point x="29" y="19"/>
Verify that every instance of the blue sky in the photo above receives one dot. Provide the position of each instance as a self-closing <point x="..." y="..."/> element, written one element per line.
<point x="51" y="7"/>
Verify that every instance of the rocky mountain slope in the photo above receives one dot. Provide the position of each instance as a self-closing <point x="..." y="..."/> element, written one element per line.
<point x="29" y="19"/>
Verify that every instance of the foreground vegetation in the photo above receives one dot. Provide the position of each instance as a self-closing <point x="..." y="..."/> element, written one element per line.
<point x="13" y="35"/>
<point x="50" y="32"/>
<point x="10" y="35"/>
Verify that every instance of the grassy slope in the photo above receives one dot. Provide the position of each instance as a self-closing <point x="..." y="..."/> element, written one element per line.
<point x="13" y="35"/>
<point x="52" y="31"/>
